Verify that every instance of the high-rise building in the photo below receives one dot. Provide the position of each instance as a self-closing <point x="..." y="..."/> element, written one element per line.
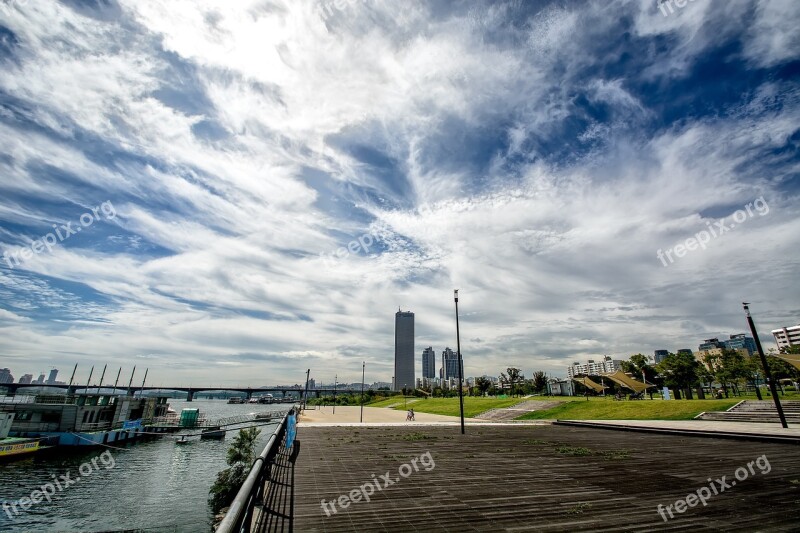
<point x="592" y="368"/>
<point x="404" y="376"/>
<point x="786" y="337"/>
<point x="685" y="351"/>
<point x="5" y="376"/>
<point x="741" y="341"/>
<point x="450" y="365"/>
<point x="26" y="379"/>
<point x="51" y="379"/>
<point x="40" y="379"/>
<point x="710" y="344"/>
<point x="428" y="363"/>
<point x="660" y="355"/>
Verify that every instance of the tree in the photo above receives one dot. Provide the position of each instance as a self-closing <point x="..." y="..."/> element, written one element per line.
<point x="539" y="381"/>
<point x="483" y="385"/>
<point x="514" y="376"/>
<point x="731" y="366"/>
<point x="679" y="371"/>
<point x="241" y="454"/>
<point x="637" y="364"/>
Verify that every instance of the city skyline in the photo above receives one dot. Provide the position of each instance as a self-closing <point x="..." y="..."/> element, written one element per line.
<point x="196" y="189"/>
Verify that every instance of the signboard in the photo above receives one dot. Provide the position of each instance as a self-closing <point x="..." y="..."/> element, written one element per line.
<point x="132" y="424"/>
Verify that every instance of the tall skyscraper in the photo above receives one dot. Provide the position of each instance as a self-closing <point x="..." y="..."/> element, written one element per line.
<point x="428" y="363"/>
<point x="660" y="355"/>
<point x="404" y="375"/>
<point x="52" y="378"/>
<point x="40" y="380"/>
<point x="26" y="379"/>
<point x="6" y="376"/>
<point x="450" y="364"/>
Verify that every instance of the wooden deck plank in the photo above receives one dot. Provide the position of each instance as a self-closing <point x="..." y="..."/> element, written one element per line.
<point x="514" y="478"/>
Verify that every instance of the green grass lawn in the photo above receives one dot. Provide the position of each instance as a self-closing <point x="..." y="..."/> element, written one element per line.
<point x="386" y="402"/>
<point x="449" y="406"/>
<point x="607" y="409"/>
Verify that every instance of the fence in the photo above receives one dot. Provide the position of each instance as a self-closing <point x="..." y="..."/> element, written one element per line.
<point x="240" y="515"/>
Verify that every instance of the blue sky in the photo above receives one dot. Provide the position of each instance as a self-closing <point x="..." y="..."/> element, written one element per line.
<point x="535" y="155"/>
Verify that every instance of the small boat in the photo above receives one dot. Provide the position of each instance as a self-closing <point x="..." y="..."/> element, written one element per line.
<point x="182" y="440"/>
<point x="236" y="400"/>
<point x="264" y="416"/>
<point x="213" y="433"/>
<point x="16" y="447"/>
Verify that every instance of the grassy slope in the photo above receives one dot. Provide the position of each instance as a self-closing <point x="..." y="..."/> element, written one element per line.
<point x="449" y="406"/>
<point x="596" y="409"/>
<point x="385" y="403"/>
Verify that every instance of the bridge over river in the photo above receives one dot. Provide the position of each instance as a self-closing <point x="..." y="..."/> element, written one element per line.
<point x="191" y="391"/>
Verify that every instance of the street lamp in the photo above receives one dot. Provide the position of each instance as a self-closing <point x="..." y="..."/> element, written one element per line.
<point x="460" y="365"/>
<point x="363" y="366"/>
<point x="767" y="373"/>
<point x="335" y="384"/>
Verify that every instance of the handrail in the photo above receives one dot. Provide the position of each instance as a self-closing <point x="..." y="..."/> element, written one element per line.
<point x="240" y="514"/>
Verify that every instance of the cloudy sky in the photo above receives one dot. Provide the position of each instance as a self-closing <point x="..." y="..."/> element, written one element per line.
<point x="218" y="162"/>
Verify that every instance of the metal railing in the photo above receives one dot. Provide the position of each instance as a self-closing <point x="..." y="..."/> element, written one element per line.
<point x="240" y="515"/>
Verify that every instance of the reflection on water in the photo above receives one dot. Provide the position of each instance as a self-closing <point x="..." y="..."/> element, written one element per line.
<point x="154" y="484"/>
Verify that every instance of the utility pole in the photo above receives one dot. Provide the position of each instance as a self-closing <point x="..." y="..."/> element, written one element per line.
<point x="363" y="367"/>
<point x="89" y="380"/>
<point x="767" y="373"/>
<point x="335" y="386"/>
<point x="116" y="381"/>
<point x="131" y="380"/>
<point x="305" y="394"/>
<point x="101" y="378"/>
<point x="72" y="378"/>
<point x="146" y="370"/>
<point x="460" y="365"/>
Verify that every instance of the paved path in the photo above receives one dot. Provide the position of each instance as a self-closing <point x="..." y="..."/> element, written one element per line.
<point x="508" y="477"/>
<point x="351" y="414"/>
<point x="510" y="413"/>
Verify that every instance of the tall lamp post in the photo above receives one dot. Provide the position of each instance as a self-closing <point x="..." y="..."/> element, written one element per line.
<point x="767" y="373"/>
<point x="363" y="366"/>
<point x="460" y="365"/>
<point x="335" y="386"/>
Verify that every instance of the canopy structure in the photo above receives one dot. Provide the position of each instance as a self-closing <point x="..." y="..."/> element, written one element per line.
<point x="791" y="358"/>
<point x="626" y="381"/>
<point x="588" y="383"/>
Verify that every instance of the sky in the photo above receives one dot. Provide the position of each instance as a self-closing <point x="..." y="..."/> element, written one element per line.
<point x="230" y="193"/>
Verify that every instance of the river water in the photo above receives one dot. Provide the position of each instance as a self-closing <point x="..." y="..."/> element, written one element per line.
<point x="153" y="485"/>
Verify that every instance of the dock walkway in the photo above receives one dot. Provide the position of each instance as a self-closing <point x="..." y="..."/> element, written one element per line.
<point x="509" y="477"/>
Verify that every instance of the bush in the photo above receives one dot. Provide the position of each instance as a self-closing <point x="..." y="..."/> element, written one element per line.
<point x="241" y="455"/>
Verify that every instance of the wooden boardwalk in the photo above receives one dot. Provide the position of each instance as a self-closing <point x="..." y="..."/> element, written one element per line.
<point x="536" y="478"/>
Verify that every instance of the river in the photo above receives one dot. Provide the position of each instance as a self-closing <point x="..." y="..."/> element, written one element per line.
<point x="153" y="485"/>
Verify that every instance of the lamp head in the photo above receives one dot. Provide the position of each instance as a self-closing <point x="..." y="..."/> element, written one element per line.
<point x="455" y="294"/>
